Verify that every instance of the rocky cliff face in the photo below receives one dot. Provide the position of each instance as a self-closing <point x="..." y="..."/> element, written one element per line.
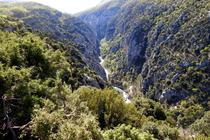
<point x="165" y="42"/>
<point x="100" y="16"/>
<point x="58" y="26"/>
<point x="178" y="53"/>
<point x="124" y="26"/>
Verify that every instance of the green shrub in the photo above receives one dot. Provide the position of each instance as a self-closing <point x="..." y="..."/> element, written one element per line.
<point x="202" y="126"/>
<point x="125" y="132"/>
<point x="66" y="119"/>
<point x="109" y="106"/>
<point x="190" y="114"/>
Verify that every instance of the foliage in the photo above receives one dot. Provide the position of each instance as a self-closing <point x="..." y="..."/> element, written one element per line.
<point x="166" y="42"/>
<point x="104" y="46"/>
<point x="46" y="56"/>
<point x="160" y="130"/>
<point x="109" y="106"/>
<point x="31" y="70"/>
<point x="60" y="27"/>
<point x="149" y="107"/>
<point x="201" y="137"/>
<point x="189" y="115"/>
<point x="124" y="132"/>
<point x="202" y="126"/>
<point x="70" y="120"/>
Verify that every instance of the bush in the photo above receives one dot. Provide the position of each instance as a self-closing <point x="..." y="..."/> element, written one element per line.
<point x="190" y="114"/>
<point x="125" y="132"/>
<point x="201" y="137"/>
<point x="160" y="130"/>
<point x="202" y="126"/>
<point x="149" y="107"/>
<point x="109" y="106"/>
<point x="70" y="120"/>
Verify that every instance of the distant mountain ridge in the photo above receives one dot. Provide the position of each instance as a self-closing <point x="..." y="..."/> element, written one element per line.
<point x="11" y="0"/>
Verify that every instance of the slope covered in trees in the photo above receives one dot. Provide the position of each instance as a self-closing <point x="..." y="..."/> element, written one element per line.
<point x="34" y="68"/>
<point x="39" y="100"/>
<point x="161" y="44"/>
<point x="58" y="26"/>
<point x="50" y="76"/>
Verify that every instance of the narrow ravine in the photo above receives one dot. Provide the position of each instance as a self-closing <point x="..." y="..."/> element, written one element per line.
<point x="123" y="92"/>
<point x="106" y="70"/>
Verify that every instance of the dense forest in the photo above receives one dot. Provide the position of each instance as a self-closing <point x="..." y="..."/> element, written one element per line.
<point x="124" y="70"/>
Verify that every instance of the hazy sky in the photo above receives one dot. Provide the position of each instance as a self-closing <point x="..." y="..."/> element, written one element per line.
<point x="69" y="6"/>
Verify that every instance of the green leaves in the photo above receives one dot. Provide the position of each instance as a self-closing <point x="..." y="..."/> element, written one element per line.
<point x="202" y="126"/>
<point x="109" y="107"/>
<point x="31" y="71"/>
<point x="69" y="119"/>
<point x="126" y="132"/>
<point x="190" y="114"/>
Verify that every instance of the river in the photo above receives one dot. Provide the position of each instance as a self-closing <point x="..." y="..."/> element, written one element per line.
<point x="123" y="92"/>
<point x="106" y="70"/>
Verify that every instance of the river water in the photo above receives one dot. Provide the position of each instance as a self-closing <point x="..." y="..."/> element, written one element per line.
<point x="123" y="92"/>
<point x="106" y="70"/>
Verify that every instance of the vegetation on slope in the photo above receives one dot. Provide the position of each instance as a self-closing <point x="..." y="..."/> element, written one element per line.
<point x="45" y="86"/>
<point x="58" y="26"/>
<point x="33" y="70"/>
<point x="39" y="101"/>
<point x="163" y="45"/>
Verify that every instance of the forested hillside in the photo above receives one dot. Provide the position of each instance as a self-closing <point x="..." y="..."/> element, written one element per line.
<point x="162" y="45"/>
<point x="54" y="87"/>
<point x="131" y="29"/>
<point x="35" y="69"/>
<point x="58" y="26"/>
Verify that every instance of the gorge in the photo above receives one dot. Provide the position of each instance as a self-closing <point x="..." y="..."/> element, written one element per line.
<point x="125" y="69"/>
<point x="125" y="94"/>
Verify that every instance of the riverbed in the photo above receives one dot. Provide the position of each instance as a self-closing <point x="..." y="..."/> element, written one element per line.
<point x="123" y="92"/>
